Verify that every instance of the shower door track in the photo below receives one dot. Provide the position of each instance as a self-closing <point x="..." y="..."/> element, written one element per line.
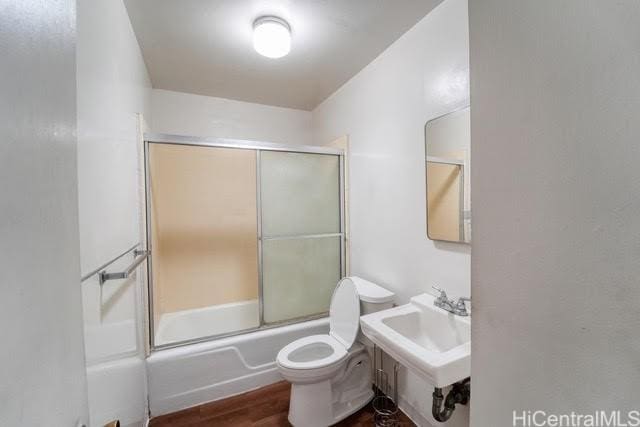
<point x="258" y="146"/>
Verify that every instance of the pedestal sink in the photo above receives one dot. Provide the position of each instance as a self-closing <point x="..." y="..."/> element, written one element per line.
<point x="428" y="340"/>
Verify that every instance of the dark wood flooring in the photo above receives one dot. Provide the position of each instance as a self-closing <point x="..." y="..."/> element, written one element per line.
<point x="265" y="407"/>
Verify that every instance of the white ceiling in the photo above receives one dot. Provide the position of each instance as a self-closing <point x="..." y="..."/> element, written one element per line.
<point x="204" y="46"/>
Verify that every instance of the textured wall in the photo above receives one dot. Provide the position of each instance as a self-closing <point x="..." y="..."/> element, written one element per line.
<point x="556" y="244"/>
<point x="113" y="86"/>
<point x="383" y="110"/>
<point x="187" y="114"/>
<point x="42" y="377"/>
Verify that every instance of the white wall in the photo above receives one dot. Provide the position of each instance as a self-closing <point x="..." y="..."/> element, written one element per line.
<point x="196" y="115"/>
<point x="113" y="86"/>
<point x="42" y="377"/>
<point x="556" y="255"/>
<point x="383" y="109"/>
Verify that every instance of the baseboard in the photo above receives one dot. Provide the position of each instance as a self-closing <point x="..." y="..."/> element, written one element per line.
<point x="413" y="414"/>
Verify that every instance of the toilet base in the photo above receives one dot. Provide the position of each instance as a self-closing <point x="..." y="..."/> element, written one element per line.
<point x="327" y="402"/>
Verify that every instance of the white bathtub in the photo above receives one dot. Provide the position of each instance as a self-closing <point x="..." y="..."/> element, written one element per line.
<point x="207" y="321"/>
<point x="190" y="375"/>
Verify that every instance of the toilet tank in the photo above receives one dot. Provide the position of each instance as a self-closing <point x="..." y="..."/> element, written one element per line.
<point x="372" y="297"/>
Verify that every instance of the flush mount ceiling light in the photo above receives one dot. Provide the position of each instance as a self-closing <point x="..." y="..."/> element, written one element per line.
<point x="271" y="36"/>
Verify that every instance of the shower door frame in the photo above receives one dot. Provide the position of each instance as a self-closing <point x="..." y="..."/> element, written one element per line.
<point x="258" y="147"/>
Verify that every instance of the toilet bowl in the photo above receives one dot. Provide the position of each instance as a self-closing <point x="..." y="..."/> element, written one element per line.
<point x="330" y="374"/>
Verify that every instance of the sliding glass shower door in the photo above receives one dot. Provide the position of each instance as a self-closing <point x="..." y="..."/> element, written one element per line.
<point x="241" y="237"/>
<point x="301" y="240"/>
<point x="204" y="247"/>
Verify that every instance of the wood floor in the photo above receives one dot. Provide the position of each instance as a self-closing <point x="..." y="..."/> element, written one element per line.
<point x="266" y="407"/>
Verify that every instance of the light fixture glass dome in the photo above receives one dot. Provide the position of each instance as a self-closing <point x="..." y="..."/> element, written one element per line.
<point x="271" y="37"/>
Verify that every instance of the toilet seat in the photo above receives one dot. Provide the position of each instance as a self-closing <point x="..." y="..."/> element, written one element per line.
<point x="319" y="351"/>
<point x="330" y="374"/>
<point x="312" y="352"/>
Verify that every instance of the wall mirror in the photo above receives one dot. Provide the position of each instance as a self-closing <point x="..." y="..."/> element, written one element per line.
<point x="448" y="163"/>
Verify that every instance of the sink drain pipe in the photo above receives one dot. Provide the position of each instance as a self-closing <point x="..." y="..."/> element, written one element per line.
<point x="460" y="393"/>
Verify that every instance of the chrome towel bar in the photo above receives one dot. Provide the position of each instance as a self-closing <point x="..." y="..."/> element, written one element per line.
<point x="140" y="255"/>
<point x="108" y="263"/>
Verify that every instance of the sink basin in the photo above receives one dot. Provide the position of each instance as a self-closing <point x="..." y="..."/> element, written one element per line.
<point x="428" y="340"/>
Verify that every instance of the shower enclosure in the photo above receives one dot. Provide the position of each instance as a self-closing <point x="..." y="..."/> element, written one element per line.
<point x="242" y="235"/>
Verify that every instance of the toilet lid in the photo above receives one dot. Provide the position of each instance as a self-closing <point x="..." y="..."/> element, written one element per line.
<point x="344" y="314"/>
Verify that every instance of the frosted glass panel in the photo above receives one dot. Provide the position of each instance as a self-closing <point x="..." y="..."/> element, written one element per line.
<point x="300" y="193"/>
<point x="299" y="276"/>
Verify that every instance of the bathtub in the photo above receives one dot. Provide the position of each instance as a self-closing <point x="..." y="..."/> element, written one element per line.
<point x="193" y="374"/>
<point x="207" y="321"/>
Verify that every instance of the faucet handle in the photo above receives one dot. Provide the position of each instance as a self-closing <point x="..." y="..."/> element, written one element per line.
<point x="443" y="294"/>
<point x="460" y="305"/>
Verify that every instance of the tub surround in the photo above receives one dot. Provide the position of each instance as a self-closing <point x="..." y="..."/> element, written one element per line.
<point x="186" y="325"/>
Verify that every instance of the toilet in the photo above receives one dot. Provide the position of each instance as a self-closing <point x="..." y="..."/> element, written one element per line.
<point x="330" y="374"/>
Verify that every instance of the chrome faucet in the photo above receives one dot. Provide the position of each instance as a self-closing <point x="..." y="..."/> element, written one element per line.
<point x="459" y="308"/>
